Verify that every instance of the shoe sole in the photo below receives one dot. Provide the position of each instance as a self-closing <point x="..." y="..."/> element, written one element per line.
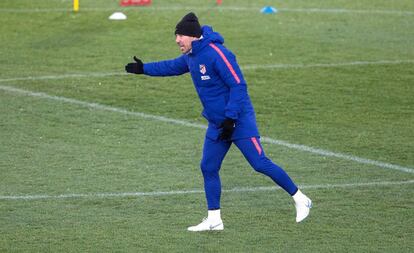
<point x="217" y="227"/>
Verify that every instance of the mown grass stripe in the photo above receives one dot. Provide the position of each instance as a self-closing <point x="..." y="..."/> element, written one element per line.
<point x="208" y="8"/>
<point x="184" y="192"/>
<point x="246" y="68"/>
<point x="313" y="150"/>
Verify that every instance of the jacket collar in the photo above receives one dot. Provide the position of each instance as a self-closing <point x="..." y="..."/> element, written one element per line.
<point x="208" y="36"/>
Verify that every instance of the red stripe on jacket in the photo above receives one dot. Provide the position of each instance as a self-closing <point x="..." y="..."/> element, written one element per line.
<point x="226" y="61"/>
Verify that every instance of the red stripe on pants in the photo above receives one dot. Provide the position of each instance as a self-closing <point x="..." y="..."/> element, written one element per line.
<point x="256" y="144"/>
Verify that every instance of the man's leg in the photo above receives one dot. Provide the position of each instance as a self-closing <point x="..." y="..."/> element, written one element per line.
<point x="213" y="155"/>
<point x="253" y="152"/>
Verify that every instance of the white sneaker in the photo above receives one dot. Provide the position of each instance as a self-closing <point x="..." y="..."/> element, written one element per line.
<point x="207" y="225"/>
<point x="303" y="205"/>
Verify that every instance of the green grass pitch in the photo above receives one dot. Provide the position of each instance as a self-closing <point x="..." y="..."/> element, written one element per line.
<point x="91" y="159"/>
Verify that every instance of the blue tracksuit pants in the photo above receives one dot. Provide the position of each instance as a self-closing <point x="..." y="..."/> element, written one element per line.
<point x="213" y="155"/>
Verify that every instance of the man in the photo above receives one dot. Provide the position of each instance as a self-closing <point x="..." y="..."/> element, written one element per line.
<point x="227" y="107"/>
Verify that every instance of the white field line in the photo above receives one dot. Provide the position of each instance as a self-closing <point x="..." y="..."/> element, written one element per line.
<point x="347" y="11"/>
<point x="184" y="192"/>
<point x="246" y="67"/>
<point x="313" y="150"/>
<point x="63" y="76"/>
<point x="101" y="107"/>
<point x="328" y="153"/>
<point x="325" y="65"/>
<point x="217" y="8"/>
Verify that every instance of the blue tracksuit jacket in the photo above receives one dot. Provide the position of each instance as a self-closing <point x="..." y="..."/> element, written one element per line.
<point x="218" y="81"/>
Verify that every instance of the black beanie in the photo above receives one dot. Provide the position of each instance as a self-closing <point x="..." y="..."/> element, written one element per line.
<point x="189" y="26"/>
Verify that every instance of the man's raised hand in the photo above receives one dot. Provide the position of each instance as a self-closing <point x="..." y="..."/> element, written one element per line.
<point x="136" y="67"/>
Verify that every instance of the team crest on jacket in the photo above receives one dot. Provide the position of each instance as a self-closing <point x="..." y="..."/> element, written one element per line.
<point x="203" y="69"/>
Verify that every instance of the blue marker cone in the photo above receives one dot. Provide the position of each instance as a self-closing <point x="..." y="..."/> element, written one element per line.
<point x="268" y="10"/>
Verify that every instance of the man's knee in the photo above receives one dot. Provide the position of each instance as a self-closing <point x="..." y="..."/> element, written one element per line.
<point x="261" y="165"/>
<point x="209" y="169"/>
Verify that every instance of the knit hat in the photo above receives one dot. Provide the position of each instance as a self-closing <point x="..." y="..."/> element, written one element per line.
<point x="189" y="26"/>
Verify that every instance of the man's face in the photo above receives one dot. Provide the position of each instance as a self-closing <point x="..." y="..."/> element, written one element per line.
<point x="184" y="42"/>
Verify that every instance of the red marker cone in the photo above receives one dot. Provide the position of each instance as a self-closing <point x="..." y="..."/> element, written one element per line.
<point x="125" y="3"/>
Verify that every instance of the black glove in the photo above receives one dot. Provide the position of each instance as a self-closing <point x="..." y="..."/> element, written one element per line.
<point x="136" y="67"/>
<point x="227" y="129"/>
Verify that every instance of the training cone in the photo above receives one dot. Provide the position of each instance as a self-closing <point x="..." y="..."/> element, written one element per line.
<point x="118" y="16"/>
<point x="125" y="3"/>
<point x="268" y="10"/>
<point x="219" y="2"/>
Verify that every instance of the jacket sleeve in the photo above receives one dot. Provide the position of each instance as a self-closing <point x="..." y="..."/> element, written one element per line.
<point x="173" y="67"/>
<point x="229" y="71"/>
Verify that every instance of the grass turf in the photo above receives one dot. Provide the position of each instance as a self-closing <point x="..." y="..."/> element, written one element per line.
<point x="52" y="147"/>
